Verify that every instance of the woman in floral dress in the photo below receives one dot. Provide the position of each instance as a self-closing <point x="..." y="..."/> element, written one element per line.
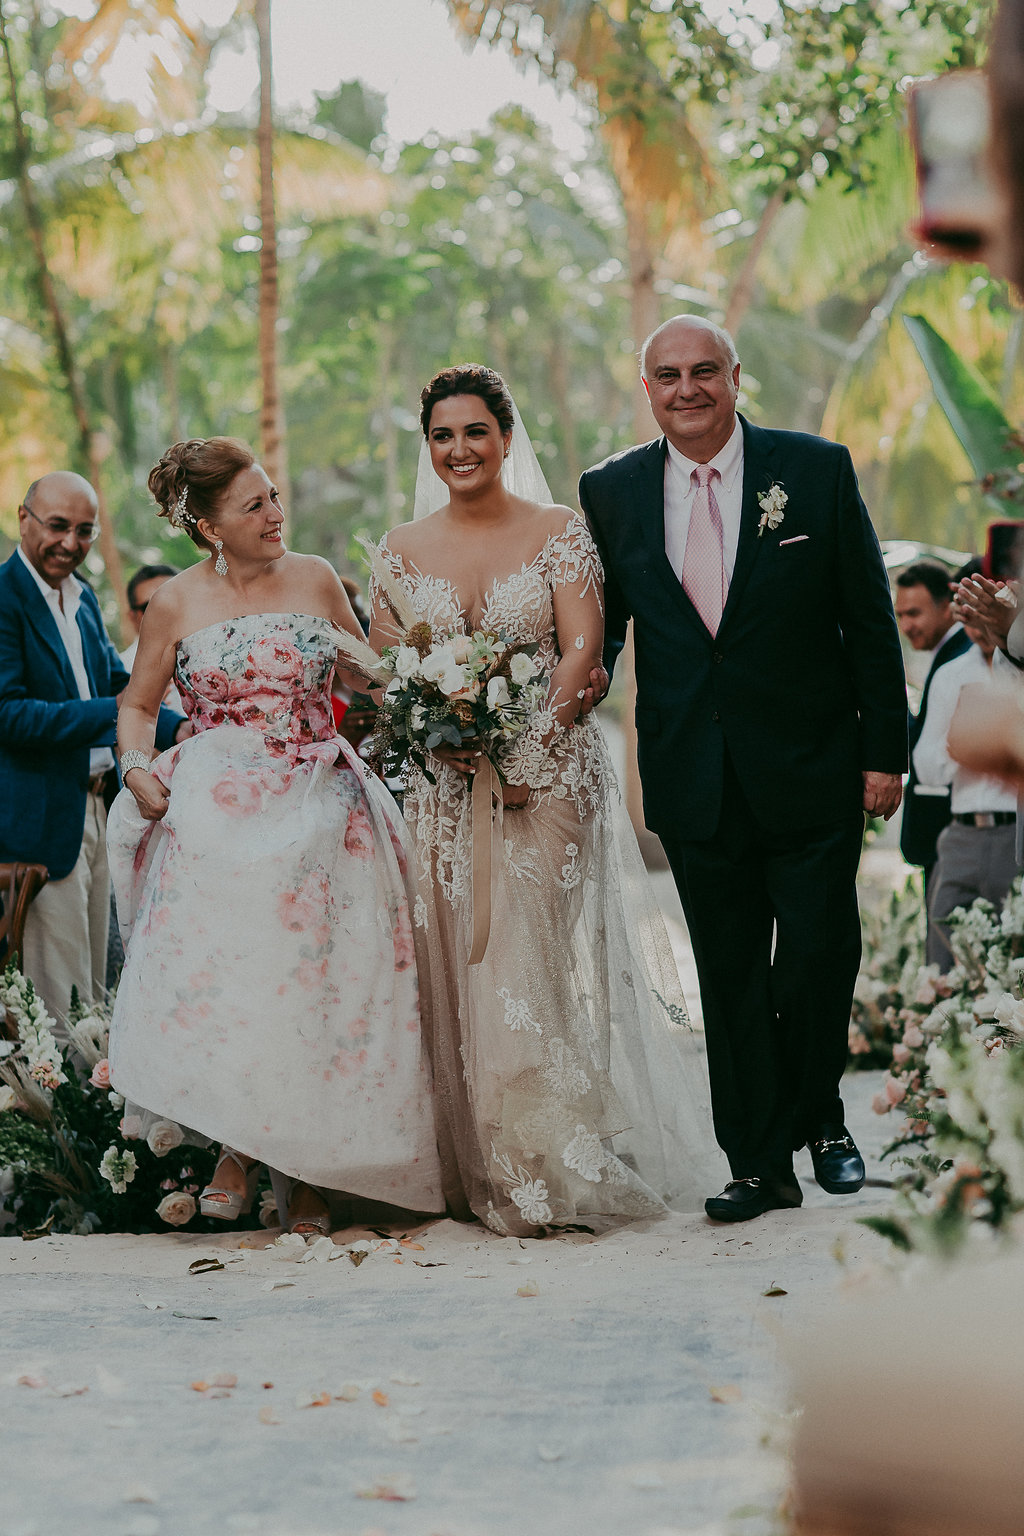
<point x="568" y="1085"/>
<point x="269" y="995"/>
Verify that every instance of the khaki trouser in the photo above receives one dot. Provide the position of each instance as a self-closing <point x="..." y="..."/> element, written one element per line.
<point x="66" y="927"/>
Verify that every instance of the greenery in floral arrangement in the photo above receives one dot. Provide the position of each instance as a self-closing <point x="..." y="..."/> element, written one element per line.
<point x="889" y="987"/>
<point x="957" y="1077"/>
<point x="70" y="1161"/>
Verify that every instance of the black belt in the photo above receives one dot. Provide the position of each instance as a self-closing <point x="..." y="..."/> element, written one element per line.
<point x="986" y="819"/>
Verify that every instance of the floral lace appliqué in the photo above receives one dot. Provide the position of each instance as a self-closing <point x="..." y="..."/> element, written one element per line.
<point x="585" y="1155"/>
<point x="517" y="1012"/>
<point x="530" y="1195"/>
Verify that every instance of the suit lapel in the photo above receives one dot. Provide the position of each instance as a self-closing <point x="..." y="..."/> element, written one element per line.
<point x="649" y="500"/>
<point x="43" y="623"/>
<point x="758" y="453"/>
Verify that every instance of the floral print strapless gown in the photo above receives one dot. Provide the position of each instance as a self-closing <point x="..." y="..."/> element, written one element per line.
<point x="269" y="997"/>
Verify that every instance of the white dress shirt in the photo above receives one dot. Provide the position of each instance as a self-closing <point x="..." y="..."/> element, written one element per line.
<point x="969" y="791"/>
<point x="679" y="493"/>
<point x="100" y="758"/>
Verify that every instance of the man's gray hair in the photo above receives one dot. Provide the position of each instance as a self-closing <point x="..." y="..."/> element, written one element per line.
<point x="718" y="331"/>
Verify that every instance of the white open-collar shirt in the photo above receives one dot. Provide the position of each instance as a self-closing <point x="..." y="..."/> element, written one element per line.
<point x="66" y="620"/>
<point x="679" y="493"/>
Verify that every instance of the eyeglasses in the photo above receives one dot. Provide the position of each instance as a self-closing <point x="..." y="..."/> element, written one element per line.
<point x="60" y="528"/>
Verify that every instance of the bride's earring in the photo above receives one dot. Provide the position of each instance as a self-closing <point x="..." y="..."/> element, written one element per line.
<point x="220" y="565"/>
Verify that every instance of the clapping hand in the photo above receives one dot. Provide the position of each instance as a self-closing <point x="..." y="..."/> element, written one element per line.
<point x="985" y="604"/>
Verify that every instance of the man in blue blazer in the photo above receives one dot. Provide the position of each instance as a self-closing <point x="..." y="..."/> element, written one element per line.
<point x="60" y="681"/>
<point x="771" y="714"/>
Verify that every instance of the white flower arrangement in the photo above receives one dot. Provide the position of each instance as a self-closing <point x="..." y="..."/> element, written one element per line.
<point x="772" y="503"/>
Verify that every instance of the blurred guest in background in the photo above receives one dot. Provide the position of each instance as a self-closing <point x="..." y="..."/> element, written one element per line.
<point x="927" y="621"/>
<point x="977" y="850"/>
<point x="60" y="683"/>
<point x="147" y="580"/>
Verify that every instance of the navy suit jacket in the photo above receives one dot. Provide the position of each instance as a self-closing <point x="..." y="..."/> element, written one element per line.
<point x="46" y="730"/>
<point x="803" y="684"/>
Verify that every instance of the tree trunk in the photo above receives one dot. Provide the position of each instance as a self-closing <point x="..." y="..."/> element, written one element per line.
<point x="272" y="443"/>
<point x="645" y="313"/>
<point x="743" y="287"/>
<point x="90" y="448"/>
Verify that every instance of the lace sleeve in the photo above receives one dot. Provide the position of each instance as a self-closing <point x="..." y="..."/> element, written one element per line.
<point x="382" y="625"/>
<point x="575" y="562"/>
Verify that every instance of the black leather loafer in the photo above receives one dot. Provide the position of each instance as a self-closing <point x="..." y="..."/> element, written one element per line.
<point x="743" y="1199"/>
<point x="838" y="1166"/>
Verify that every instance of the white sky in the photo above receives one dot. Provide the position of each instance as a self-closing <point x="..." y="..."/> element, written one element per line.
<point x="407" y="49"/>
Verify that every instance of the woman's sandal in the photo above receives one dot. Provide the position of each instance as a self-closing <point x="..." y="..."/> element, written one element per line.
<point x="314" y="1225"/>
<point x="228" y="1204"/>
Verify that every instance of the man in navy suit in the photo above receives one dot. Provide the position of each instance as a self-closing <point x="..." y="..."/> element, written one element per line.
<point x="771" y="714"/>
<point x="60" y="681"/>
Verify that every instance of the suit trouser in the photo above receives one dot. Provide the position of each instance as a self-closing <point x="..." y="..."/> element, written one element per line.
<point x="972" y="862"/>
<point x="776" y="1024"/>
<point x="66" y="927"/>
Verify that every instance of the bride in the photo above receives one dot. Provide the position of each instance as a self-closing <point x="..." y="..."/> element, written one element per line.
<point x="568" y="1085"/>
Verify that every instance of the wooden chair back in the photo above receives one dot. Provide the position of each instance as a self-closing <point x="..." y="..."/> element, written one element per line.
<point x="19" y="886"/>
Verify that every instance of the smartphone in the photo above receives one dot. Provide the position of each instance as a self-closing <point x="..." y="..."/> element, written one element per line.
<point x="1004" y="550"/>
<point x="950" y="131"/>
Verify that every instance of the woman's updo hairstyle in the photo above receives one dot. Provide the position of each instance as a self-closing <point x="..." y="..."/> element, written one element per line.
<point x="191" y="477"/>
<point x="469" y="379"/>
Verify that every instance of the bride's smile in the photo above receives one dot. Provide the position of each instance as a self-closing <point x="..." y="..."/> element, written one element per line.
<point x="467" y="446"/>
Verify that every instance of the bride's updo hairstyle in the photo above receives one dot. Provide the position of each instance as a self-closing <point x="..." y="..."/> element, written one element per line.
<point x="191" y="477"/>
<point x="469" y="379"/>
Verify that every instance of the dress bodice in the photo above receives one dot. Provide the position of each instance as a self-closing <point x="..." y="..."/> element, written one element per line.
<point x="268" y="672"/>
<point x="519" y="605"/>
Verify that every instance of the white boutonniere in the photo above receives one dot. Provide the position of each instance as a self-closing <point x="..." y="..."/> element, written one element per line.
<point x="772" y="501"/>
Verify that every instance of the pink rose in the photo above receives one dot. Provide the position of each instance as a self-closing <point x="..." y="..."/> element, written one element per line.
<point x="237" y="795"/>
<point x="131" y="1127"/>
<point x="913" y="1037"/>
<point x="894" y="1090"/>
<point x="100" y="1077"/>
<point x="176" y="1209"/>
<point x="277" y="659"/>
<point x="900" y="1055"/>
<point x="211" y="683"/>
<point x="359" y="833"/>
<point x="880" y="1104"/>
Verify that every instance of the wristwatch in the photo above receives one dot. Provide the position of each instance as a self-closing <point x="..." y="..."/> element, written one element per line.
<point x="133" y="759"/>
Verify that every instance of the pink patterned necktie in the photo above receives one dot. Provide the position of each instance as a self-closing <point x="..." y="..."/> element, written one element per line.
<point x="703" y="561"/>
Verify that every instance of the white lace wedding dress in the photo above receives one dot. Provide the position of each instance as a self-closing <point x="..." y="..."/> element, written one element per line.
<point x="569" y="1085"/>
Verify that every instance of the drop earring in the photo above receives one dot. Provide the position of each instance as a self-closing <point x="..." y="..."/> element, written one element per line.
<point x="220" y="565"/>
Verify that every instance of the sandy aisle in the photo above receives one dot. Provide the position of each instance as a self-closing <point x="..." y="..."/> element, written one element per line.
<point x="587" y="1408"/>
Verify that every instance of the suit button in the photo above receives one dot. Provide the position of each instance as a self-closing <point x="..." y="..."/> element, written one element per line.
<point x="717" y="656"/>
<point x="716" y="717"/>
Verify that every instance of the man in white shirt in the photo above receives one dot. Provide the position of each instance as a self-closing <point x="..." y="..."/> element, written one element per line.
<point x="60" y="682"/>
<point x="147" y="580"/>
<point x="977" y="850"/>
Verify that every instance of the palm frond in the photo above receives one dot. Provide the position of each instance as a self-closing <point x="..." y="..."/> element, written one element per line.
<point x="359" y="657"/>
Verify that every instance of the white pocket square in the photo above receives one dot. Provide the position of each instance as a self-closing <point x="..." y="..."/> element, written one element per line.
<point x="798" y="538"/>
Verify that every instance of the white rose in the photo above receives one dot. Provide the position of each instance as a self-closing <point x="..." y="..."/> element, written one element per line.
<point x="164" y="1136"/>
<point x="461" y="647"/>
<point x="407" y="660"/>
<point x="497" y="693"/>
<point x="417" y="717"/>
<point x="177" y="1208"/>
<point x="522" y="668"/>
<point x="131" y="1127"/>
<point x="8" y="1098"/>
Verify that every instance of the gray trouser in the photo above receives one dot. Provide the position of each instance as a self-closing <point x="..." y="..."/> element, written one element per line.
<point x="972" y="862"/>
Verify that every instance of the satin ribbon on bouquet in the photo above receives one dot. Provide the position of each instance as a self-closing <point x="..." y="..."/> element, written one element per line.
<point x="487" y="832"/>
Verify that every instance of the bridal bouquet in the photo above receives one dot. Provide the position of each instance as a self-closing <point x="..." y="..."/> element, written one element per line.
<point x="481" y="688"/>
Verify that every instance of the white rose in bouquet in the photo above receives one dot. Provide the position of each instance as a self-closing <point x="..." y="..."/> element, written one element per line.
<point x="164" y="1136"/>
<point x="440" y="667"/>
<point x="407" y="661"/>
<point x="176" y="1208"/>
<point x="8" y="1097"/>
<point x="522" y="668"/>
<point x="497" y="693"/>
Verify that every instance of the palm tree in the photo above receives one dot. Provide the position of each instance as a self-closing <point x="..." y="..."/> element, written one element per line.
<point x="271" y="415"/>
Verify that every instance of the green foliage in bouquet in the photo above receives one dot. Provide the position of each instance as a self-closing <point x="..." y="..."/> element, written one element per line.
<point x="65" y="1163"/>
<point x="889" y="984"/>
<point x="957" y="1075"/>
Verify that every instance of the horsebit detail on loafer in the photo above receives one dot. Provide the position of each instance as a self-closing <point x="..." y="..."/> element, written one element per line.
<point x="846" y="1142"/>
